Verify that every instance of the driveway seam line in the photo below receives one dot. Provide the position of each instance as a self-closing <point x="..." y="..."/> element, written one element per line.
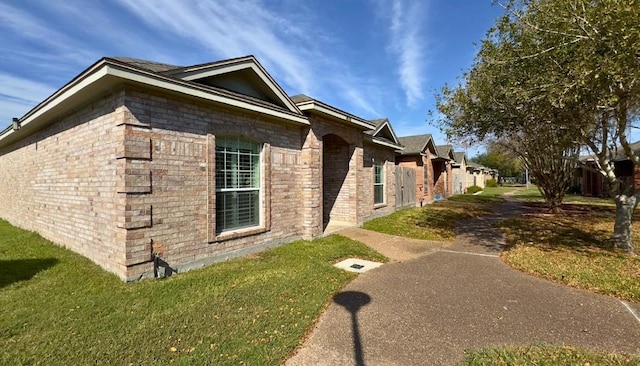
<point x="470" y="253"/>
<point x="630" y="310"/>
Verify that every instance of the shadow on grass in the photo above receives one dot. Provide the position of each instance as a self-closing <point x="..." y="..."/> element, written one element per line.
<point x="580" y="228"/>
<point x="16" y="270"/>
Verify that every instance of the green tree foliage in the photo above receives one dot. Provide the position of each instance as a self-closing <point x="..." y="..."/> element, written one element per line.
<point x="497" y="157"/>
<point x="558" y="74"/>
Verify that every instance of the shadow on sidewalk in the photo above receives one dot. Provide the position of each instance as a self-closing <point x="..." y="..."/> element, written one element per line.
<point x="353" y="301"/>
<point x="479" y="233"/>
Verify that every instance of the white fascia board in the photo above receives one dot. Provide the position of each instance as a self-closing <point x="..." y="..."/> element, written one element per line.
<point x="311" y="105"/>
<point x="387" y="124"/>
<point x="65" y="93"/>
<point x="206" y="71"/>
<point x="190" y="90"/>
<point x="387" y="144"/>
<point x="6" y="133"/>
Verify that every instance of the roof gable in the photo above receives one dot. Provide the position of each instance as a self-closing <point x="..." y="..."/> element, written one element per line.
<point x="383" y="130"/>
<point x="417" y="144"/>
<point x="445" y="152"/>
<point x="244" y="75"/>
<point x="460" y="157"/>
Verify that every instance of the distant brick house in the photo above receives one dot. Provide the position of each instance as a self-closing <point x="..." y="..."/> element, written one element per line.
<point x="475" y="175"/>
<point x="591" y="183"/>
<point x="420" y="153"/>
<point x="442" y="171"/>
<point x="459" y="170"/>
<point x="134" y="160"/>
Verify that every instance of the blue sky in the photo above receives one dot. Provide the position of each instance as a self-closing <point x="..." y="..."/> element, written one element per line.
<point x="375" y="58"/>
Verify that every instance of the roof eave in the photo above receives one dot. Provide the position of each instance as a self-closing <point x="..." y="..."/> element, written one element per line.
<point x="384" y="143"/>
<point x="105" y="72"/>
<point x="318" y="107"/>
<point x="190" y="89"/>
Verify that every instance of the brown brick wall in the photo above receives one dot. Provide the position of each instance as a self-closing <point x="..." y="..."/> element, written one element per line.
<point x="61" y="182"/>
<point x="367" y="208"/>
<point x="182" y="171"/>
<point x="134" y="174"/>
<point x="336" y="182"/>
<point x="318" y="199"/>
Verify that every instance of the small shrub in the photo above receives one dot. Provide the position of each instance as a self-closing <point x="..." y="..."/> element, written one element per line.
<point x="473" y="189"/>
<point x="492" y="183"/>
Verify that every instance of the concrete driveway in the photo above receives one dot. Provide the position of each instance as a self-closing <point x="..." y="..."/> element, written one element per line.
<point x="429" y="307"/>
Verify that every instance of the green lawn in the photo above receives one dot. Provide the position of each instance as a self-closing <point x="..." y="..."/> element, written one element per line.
<point x="572" y="248"/>
<point x="436" y="221"/>
<point x="498" y="191"/>
<point x="545" y="355"/>
<point x="58" y="308"/>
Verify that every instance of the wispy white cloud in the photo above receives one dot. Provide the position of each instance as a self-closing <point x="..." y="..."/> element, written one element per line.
<point x="19" y="95"/>
<point x="231" y="29"/>
<point x="295" y="47"/>
<point x="408" y="45"/>
<point x="26" y="27"/>
<point x="289" y="37"/>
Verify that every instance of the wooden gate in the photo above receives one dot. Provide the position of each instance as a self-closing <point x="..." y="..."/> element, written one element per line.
<point x="405" y="187"/>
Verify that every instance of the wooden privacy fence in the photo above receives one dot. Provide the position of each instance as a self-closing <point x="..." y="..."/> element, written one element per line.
<point x="405" y="187"/>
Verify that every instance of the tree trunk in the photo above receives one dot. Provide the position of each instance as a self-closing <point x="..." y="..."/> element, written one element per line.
<point x="625" y="205"/>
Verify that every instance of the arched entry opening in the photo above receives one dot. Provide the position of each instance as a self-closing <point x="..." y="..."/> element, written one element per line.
<point x="338" y="189"/>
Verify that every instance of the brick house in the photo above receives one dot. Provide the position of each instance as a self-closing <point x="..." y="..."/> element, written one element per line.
<point x="476" y="175"/>
<point x="442" y="171"/>
<point x="459" y="170"/>
<point x="133" y="161"/>
<point x="419" y="153"/>
<point x="589" y="182"/>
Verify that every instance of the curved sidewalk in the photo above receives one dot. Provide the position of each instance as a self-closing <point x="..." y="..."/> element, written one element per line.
<point x="429" y="309"/>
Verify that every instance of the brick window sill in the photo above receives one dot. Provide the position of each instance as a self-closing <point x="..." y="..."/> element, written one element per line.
<point x="240" y="233"/>
<point x="379" y="205"/>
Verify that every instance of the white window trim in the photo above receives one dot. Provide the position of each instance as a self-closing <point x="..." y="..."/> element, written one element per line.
<point x="264" y="222"/>
<point x="383" y="177"/>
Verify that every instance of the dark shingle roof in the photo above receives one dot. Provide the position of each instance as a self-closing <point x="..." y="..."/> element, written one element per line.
<point x="377" y="122"/>
<point x="444" y="150"/>
<point x="476" y="166"/>
<point x="301" y="98"/>
<point x="414" y="144"/>
<point x="147" y="65"/>
<point x="166" y="69"/>
<point x="459" y="156"/>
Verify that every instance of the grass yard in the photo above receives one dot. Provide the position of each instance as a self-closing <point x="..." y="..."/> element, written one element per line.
<point x="533" y="195"/>
<point x="435" y="221"/>
<point x="58" y="308"/>
<point x="572" y="248"/>
<point x="498" y="191"/>
<point x="544" y="355"/>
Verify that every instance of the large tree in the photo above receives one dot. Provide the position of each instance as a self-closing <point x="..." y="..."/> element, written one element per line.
<point x="565" y="67"/>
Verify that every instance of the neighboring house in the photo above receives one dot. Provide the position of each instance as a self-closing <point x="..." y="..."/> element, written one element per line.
<point x="442" y="172"/>
<point x="459" y="168"/>
<point x="475" y="175"/>
<point x="135" y="164"/>
<point x="419" y="153"/>
<point x="589" y="182"/>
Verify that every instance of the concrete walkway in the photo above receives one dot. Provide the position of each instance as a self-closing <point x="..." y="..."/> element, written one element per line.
<point x="433" y="301"/>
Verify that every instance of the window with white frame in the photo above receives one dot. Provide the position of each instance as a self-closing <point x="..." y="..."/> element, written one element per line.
<point x="238" y="183"/>
<point x="378" y="181"/>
